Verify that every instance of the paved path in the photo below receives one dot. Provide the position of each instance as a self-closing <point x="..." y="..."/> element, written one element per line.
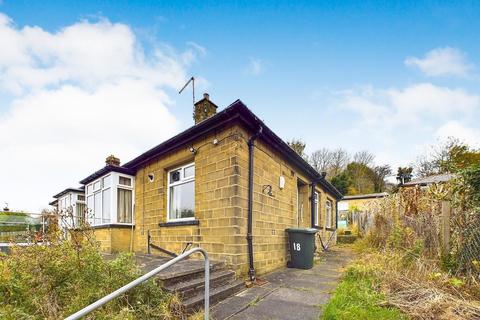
<point x="290" y="293"/>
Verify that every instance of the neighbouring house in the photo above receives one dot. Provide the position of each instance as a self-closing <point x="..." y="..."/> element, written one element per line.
<point x="228" y="184"/>
<point x="428" y="181"/>
<point x="355" y="208"/>
<point x="71" y="203"/>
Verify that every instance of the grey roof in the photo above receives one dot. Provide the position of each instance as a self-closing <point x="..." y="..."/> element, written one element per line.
<point x="75" y="190"/>
<point x="237" y="111"/>
<point x="437" y="178"/>
<point x="366" y="196"/>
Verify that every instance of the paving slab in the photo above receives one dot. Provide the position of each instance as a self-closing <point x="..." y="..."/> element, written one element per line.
<point x="289" y="293"/>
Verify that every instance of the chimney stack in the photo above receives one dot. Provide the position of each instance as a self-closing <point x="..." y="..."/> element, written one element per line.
<point x="112" y="161"/>
<point x="204" y="109"/>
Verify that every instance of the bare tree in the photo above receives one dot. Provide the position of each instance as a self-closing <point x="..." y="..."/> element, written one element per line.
<point x="340" y="159"/>
<point x="437" y="159"/>
<point x="321" y="160"/>
<point x="364" y="157"/>
<point x="425" y="166"/>
<point x="380" y="173"/>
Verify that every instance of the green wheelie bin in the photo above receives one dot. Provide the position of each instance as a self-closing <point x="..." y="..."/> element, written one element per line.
<point x="302" y="247"/>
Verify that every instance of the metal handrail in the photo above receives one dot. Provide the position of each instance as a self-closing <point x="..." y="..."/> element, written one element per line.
<point x="97" y="304"/>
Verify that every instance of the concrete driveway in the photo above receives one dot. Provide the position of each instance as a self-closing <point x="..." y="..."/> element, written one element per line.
<point x="289" y="293"/>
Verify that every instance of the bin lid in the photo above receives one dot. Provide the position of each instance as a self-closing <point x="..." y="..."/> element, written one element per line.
<point x="301" y="230"/>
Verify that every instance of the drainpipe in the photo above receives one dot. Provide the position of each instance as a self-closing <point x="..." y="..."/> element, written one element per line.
<point x="251" y="148"/>
<point x="336" y="214"/>
<point x="312" y="202"/>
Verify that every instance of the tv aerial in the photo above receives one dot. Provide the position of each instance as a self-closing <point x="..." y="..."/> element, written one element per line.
<point x="192" y="80"/>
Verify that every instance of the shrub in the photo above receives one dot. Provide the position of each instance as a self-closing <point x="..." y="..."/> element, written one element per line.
<point x="56" y="280"/>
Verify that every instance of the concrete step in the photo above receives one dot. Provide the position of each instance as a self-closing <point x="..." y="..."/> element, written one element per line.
<point x="186" y="272"/>
<point x="216" y="295"/>
<point x="187" y="289"/>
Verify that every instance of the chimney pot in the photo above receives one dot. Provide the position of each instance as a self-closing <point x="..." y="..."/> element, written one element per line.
<point x="112" y="161"/>
<point x="206" y="96"/>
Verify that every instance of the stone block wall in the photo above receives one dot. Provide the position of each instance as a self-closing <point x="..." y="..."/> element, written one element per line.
<point x="272" y="214"/>
<point x="217" y="205"/>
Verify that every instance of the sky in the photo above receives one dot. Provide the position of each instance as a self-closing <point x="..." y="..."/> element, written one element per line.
<point x="82" y="80"/>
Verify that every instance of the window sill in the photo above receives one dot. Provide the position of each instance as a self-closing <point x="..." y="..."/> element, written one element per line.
<point x="180" y="223"/>
<point x="322" y="228"/>
<point x="113" y="225"/>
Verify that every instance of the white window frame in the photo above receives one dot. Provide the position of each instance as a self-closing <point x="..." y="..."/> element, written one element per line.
<point x="113" y="189"/>
<point x="183" y="180"/>
<point x="123" y="187"/>
<point x="328" y="213"/>
<point x="316" y="216"/>
<point x="78" y="219"/>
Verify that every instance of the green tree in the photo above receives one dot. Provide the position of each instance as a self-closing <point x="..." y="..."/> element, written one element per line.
<point x="404" y="174"/>
<point x="379" y="175"/>
<point x="342" y="182"/>
<point x="361" y="177"/>
<point x="449" y="157"/>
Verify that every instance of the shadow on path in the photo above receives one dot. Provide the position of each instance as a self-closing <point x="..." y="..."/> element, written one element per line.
<point x="289" y="293"/>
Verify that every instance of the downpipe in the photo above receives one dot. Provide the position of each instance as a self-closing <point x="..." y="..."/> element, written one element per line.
<point x="251" y="148"/>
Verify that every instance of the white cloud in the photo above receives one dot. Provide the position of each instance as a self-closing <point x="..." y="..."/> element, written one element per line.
<point x="409" y="105"/>
<point x="391" y="122"/>
<point x="456" y="129"/>
<point x="255" y="67"/>
<point x="441" y="62"/>
<point x="79" y="94"/>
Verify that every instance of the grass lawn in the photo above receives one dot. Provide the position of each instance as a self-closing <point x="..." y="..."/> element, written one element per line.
<point x="357" y="297"/>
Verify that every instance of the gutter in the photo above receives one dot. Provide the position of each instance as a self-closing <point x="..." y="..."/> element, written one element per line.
<point x="251" y="148"/>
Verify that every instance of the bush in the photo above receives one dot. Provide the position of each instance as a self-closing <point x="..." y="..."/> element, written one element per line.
<point x="54" y="281"/>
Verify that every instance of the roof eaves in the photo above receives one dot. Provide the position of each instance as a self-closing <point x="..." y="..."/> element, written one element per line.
<point x="235" y="111"/>
<point x="79" y="190"/>
<point x="105" y="170"/>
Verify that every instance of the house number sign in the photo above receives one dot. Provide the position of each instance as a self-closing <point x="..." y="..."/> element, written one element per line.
<point x="297" y="247"/>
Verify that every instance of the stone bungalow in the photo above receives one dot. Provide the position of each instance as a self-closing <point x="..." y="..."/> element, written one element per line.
<point x="228" y="184"/>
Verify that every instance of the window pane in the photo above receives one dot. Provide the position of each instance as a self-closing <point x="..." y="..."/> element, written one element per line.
<point x="124" y="206"/>
<point x="175" y="176"/>
<point x="189" y="172"/>
<point x="79" y="214"/>
<point x="98" y="208"/>
<point x="106" y="206"/>
<point x="89" y="189"/>
<point x="81" y="197"/>
<point x="106" y="181"/>
<point x="90" y="209"/>
<point x="96" y="186"/>
<point x="125" y="181"/>
<point x="328" y="213"/>
<point x="182" y="201"/>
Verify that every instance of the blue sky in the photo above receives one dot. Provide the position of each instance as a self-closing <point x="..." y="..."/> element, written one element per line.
<point x="392" y="78"/>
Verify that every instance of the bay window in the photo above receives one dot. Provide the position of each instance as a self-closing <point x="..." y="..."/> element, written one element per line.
<point x="110" y="200"/>
<point x="181" y="193"/>
<point x="124" y="206"/>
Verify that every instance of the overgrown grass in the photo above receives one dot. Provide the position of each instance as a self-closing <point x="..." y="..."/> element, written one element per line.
<point x="54" y="281"/>
<point x="358" y="297"/>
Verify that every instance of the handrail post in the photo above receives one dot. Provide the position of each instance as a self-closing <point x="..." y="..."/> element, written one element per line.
<point x="207" y="286"/>
<point x="97" y="304"/>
